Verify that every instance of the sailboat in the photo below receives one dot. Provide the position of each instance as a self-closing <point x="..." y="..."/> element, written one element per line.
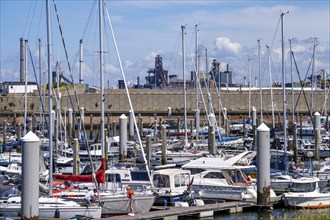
<point x="113" y="203"/>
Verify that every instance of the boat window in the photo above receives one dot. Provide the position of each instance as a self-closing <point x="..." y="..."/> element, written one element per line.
<point x="196" y="170"/>
<point x="302" y="187"/>
<point x="181" y="179"/>
<point x="214" y="175"/>
<point x="114" y="178"/>
<point x="135" y="175"/>
<point x="177" y="180"/>
<point x="161" y="180"/>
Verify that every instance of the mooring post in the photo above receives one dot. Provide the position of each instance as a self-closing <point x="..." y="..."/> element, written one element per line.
<point x="131" y="125"/>
<point x="213" y="143"/>
<point x="30" y="176"/>
<point x="81" y="124"/>
<point x="76" y="158"/>
<point x="164" y="156"/>
<point x="224" y="116"/>
<point x="114" y="129"/>
<point x="178" y="125"/>
<point x="254" y="127"/>
<point x="317" y="127"/>
<point x="211" y="128"/>
<point x="155" y="128"/>
<point x="70" y="125"/>
<point x="91" y="126"/>
<point x="148" y="144"/>
<point x="295" y="143"/>
<point x="19" y="131"/>
<point x="122" y="137"/>
<point x="197" y="123"/>
<point x="169" y="113"/>
<point x="263" y="171"/>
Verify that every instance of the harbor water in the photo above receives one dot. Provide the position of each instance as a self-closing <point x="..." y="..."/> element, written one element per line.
<point x="275" y="214"/>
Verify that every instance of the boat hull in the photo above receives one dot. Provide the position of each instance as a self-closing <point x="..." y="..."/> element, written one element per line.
<point x="53" y="212"/>
<point x="303" y="200"/>
<point x="221" y="193"/>
<point x="120" y="205"/>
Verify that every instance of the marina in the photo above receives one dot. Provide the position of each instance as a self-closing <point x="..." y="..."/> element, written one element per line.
<point x="198" y="147"/>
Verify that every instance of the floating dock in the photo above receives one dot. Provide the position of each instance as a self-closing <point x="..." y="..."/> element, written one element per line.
<point x="194" y="211"/>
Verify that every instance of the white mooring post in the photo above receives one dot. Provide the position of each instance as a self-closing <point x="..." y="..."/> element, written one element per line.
<point x="123" y="137"/>
<point x="30" y="176"/>
<point x="263" y="171"/>
<point x="317" y="127"/>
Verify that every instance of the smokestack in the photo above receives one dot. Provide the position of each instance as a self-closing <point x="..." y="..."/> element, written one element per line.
<point x="80" y="62"/>
<point x="21" y="61"/>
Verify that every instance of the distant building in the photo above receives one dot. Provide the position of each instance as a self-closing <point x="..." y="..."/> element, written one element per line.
<point x="17" y="87"/>
<point x="222" y="78"/>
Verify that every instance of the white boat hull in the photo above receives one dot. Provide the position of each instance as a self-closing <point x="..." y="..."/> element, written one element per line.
<point x="47" y="212"/>
<point x="120" y="205"/>
<point x="307" y="200"/>
<point x="223" y="192"/>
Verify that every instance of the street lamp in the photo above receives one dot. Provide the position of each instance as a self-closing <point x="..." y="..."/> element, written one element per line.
<point x="310" y="155"/>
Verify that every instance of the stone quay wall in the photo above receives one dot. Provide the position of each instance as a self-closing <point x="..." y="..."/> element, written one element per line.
<point x="148" y="102"/>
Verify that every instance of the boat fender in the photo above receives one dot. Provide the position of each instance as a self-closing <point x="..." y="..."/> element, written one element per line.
<point x="57" y="213"/>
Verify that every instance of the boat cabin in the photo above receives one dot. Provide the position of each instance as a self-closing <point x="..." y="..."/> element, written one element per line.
<point x="171" y="180"/>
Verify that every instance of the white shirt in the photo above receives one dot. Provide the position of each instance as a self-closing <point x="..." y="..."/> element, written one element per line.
<point x="89" y="195"/>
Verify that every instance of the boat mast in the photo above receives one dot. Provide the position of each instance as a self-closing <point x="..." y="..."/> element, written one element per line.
<point x="284" y="97"/>
<point x="271" y="90"/>
<point x="250" y="69"/>
<point x="259" y="59"/>
<point x="25" y="88"/>
<point x="312" y="79"/>
<point x="207" y="84"/>
<point x="50" y="101"/>
<point x="40" y="79"/>
<point x="196" y="84"/>
<point x="184" y="85"/>
<point x="292" y="91"/>
<point x="101" y="79"/>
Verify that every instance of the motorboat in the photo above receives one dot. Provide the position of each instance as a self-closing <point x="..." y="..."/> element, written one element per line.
<point x="225" y="179"/>
<point x="172" y="187"/>
<point x="305" y="193"/>
<point x="49" y="208"/>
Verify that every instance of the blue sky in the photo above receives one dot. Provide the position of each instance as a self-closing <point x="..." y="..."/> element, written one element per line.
<point x="229" y="30"/>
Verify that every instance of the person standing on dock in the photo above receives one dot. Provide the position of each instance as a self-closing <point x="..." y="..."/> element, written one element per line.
<point x="130" y="195"/>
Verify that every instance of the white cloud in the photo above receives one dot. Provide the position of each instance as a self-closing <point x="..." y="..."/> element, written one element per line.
<point x="111" y="68"/>
<point x="299" y="48"/>
<point x="223" y="43"/>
